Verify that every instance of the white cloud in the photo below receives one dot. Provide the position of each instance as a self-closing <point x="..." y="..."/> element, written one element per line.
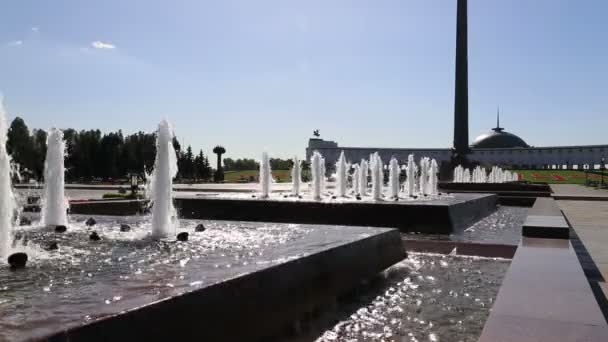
<point x="35" y="29"/>
<point x="101" y="45"/>
<point x="15" y="43"/>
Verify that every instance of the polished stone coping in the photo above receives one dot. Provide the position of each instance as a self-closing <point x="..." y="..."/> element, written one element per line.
<point x="545" y="296"/>
<point x="512" y="189"/>
<point x="487" y="250"/>
<point x="438" y="216"/>
<point x="553" y="227"/>
<point x="257" y="304"/>
<point x="545" y="220"/>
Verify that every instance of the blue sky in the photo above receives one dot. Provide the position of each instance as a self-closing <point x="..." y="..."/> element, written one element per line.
<point x="261" y="75"/>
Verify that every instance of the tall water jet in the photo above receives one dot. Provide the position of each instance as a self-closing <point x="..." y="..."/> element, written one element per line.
<point x="424" y="175"/>
<point x="160" y="188"/>
<point x="7" y="198"/>
<point x="356" y="179"/>
<point x="363" y="173"/>
<point x="317" y="172"/>
<point x="296" y="176"/>
<point x="377" y="177"/>
<point x="466" y="178"/>
<point x="341" y="174"/>
<point x="433" y="180"/>
<point x="393" y="178"/>
<point x="323" y="175"/>
<point x="411" y="175"/>
<point x="55" y="204"/>
<point x="265" y="175"/>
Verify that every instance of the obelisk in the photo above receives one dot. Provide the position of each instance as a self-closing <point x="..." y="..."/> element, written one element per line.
<point x="461" y="89"/>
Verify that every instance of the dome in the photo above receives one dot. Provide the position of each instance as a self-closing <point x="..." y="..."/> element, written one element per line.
<point x="498" y="138"/>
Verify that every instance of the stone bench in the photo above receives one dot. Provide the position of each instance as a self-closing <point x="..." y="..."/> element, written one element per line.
<point x="545" y="220"/>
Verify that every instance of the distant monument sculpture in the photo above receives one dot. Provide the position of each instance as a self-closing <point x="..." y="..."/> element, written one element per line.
<point x="218" y="176"/>
<point x="316" y="133"/>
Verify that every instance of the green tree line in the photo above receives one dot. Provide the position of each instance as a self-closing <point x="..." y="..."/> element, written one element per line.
<point x="92" y="155"/>
<point x="252" y="164"/>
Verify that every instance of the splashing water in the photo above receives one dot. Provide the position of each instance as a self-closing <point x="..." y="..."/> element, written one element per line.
<point x="7" y="198"/>
<point x="411" y="175"/>
<point x="317" y="175"/>
<point x="296" y="176"/>
<point x="323" y="175"/>
<point x="424" y="175"/>
<point x="342" y="174"/>
<point x="55" y="204"/>
<point x="393" y="178"/>
<point x="363" y="173"/>
<point x="377" y="177"/>
<point x="265" y="175"/>
<point x="160" y="188"/>
<point x="356" y="179"/>
<point x="433" y="180"/>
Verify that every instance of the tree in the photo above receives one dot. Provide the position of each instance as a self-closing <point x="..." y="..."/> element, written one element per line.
<point x="19" y="144"/>
<point x="39" y="147"/>
<point x="219" y="173"/>
<point x="201" y="167"/>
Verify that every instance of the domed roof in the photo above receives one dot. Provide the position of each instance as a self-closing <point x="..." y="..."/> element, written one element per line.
<point x="498" y="138"/>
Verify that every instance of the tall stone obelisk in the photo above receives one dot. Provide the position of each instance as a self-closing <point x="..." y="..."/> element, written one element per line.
<point x="461" y="89"/>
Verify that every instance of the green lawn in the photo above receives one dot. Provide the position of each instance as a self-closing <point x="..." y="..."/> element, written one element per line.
<point x="280" y="176"/>
<point x="556" y="176"/>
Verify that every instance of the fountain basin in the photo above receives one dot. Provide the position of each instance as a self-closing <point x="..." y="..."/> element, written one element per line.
<point x="236" y="281"/>
<point x="443" y="215"/>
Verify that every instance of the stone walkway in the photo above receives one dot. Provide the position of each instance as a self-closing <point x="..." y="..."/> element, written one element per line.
<point x="589" y="220"/>
<point x="578" y="192"/>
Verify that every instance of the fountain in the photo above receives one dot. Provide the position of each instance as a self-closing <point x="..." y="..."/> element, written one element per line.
<point x="433" y="181"/>
<point x="342" y="176"/>
<point x="356" y="179"/>
<point x="394" y="172"/>
<point x="7" y="199"/>
<point x="466" y="178"/>
<point x="296" y="176"/>
<point x="363" y="173"/>
<point x="323" y="176"/>
<point x="160" y="188"/>
<point x="424" y="175"/>
<point x="377" y="176"/>
<point x="55" y="204"/>
<point x="317" y="175"/>
<point x="411" y="176"/>
<point x="479" y="175"/>
<point x="265" y="176"/>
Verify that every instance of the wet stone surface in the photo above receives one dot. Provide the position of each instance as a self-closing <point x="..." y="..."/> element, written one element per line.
<point x="502" y="227"/>
<point x="426" y="297"/>
<point x="81" y="280"/>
